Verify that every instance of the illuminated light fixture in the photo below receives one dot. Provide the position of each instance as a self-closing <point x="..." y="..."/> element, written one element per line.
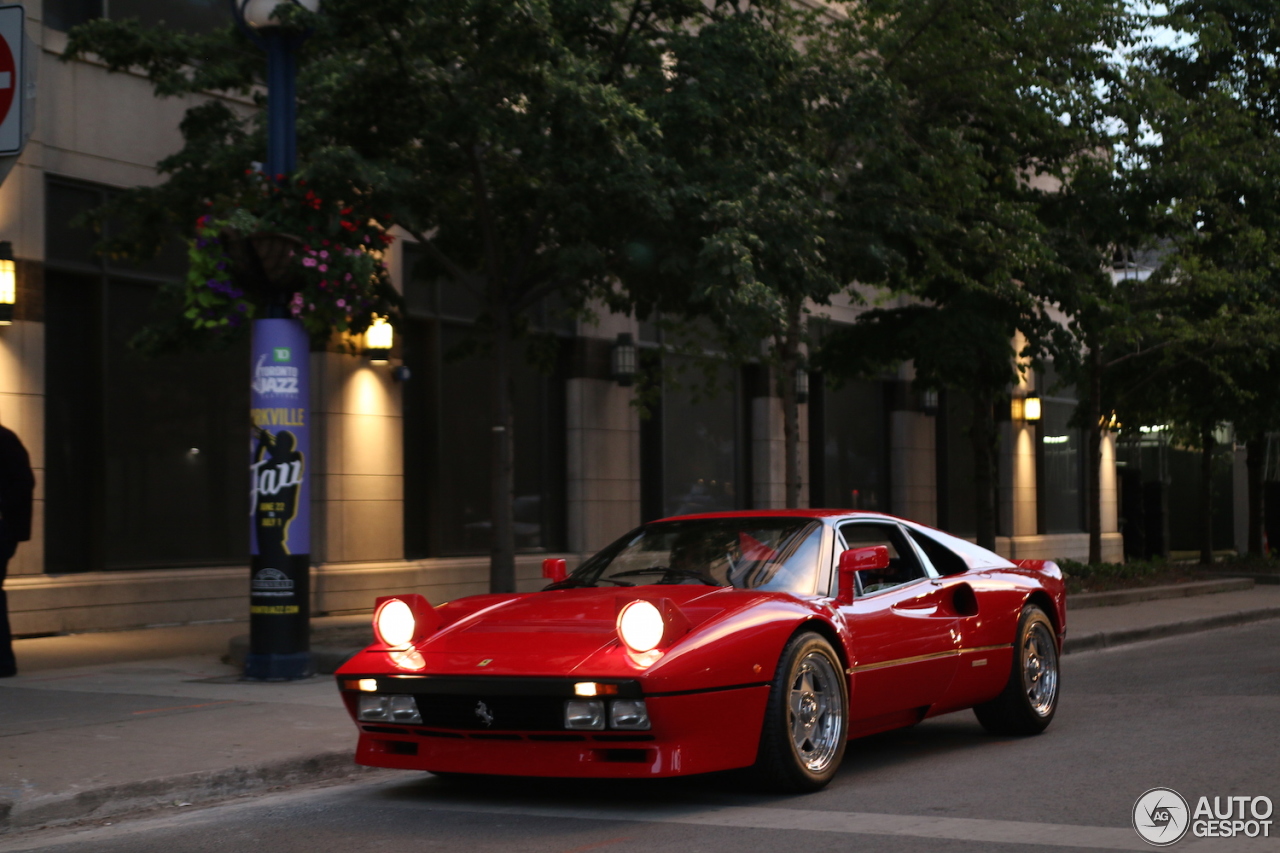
<point x="623" y="360"/>
<point x="257" y="13"/>
<point x="802" y="385"/>
<point x="929" y="401"/>
<point x="592" y="688"/>
<point x="367" y="685"/>
<point x="394" y="623"/>
<point x="378" y="339"/>
<point x="1025" y="408"/>
<point x="8" y="283"/>
<point x="641" y="626"/>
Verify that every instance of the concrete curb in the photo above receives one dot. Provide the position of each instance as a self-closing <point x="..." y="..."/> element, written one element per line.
<point x="1108" y="639"/>
<point x="1086" y="600"/>
<point x="171" y="791"/>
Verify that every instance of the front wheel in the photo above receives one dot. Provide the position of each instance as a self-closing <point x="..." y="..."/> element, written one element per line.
<point x="1030" y="697"/>
<point x="806" y="720"/>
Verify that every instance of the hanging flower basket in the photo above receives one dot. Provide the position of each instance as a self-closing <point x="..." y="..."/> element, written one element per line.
<point x="284" y="249"/>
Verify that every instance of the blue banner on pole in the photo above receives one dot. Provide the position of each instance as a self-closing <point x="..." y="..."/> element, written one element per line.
<point x="280" y="508"/>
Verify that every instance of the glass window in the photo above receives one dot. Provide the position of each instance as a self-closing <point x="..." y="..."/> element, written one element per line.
<point x="191" y="15"/>
<point x="956" y="494"/>
<point x="851" y="470"/>
<point x="1061" y="469"/>
<point x="65" y="14"/>
<point x="448" y="432"/>
<point x="700" y="460"/>
<point x="903" y="566"/>
<point x="146" y="458"/>
<point x="773" y="554"/>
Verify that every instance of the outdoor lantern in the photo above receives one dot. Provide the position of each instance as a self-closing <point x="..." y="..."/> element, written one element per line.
<point x="8" y="283"/>
<point x="623" y="360"/>
<point x="802" y="385"/>
<point x="929" y="401"/>
<point x="1031" y="409"/>
<point x="378" y="339"/>
<point x="257" y="13"/>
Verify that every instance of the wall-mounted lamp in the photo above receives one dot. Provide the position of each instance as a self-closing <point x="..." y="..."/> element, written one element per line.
<point x="802" y="385"/>
<point x="1025" y="408"/>
<point x="378" y="339"/>
<point x="929" y="401"/>
<point x="8" y="283"/>
<point x="622" y="361"/>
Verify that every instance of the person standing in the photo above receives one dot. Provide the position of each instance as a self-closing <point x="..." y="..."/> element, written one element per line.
<point x="16" y="486"/>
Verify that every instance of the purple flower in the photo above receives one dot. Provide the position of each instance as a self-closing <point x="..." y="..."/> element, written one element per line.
<point x="308" y="262"/>
<point x="324" y="268"/>
<point x="342" y="303"/>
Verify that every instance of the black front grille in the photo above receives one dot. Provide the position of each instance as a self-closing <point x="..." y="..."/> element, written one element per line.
<point x="492" y="713"/>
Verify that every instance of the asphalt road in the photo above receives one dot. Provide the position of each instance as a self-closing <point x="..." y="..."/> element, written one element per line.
<point x="1199" y="714"/>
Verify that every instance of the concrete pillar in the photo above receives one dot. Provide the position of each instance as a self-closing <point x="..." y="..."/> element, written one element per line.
<point x="1018" y="495"/>
<point x="603" y="462"/>
<point x="357" y="490"/>
<point x="768" y="454"/>
<point x="913" y="467"/>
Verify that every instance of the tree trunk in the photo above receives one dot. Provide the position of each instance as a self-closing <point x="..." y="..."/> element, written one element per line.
<point x="789" y="349"/>
<point x="1206" y="495"/>
<point x="1093" y="461"/>
<point x="982" y="438"/>
<point x="1255" y="459"/>
<point x="502" y="561"/>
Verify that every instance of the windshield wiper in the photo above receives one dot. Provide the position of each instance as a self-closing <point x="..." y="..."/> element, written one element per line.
<point x="667" y="570"/>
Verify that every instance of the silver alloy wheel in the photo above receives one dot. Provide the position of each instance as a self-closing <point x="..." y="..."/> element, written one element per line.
<point x="816" y="711"/>
<point x="1040" y="669"/>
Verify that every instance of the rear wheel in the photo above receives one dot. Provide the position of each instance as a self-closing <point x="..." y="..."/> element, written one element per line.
<point x="806" y="720"/>
<point x="1030" y="697"/>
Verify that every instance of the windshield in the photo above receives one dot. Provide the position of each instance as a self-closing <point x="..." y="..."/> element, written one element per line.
<point x="775" y="554"/>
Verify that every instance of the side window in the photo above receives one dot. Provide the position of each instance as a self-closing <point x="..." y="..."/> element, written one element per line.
<point x="946" y="561"/>
<point x="903" y="565"/>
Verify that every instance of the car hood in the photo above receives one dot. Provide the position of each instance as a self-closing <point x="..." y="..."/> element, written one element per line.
<point x="557" y="632"/>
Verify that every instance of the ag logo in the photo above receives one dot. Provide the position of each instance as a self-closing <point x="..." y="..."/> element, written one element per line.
<point x="1161" y="816"/>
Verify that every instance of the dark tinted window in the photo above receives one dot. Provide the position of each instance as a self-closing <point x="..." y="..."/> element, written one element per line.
<point x="903" y="565"/>
<point x="65" y="14"/>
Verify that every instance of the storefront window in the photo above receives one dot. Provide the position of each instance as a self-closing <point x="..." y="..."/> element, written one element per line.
<point x="189" y="15"/>
<point x="146" y="457"/>
<point x="1061" y="484"/>
<point x="848" y="448"/>
<point x="448" y="431"/>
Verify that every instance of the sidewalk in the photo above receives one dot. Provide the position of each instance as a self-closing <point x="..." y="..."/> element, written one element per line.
<point x="101" y="724"/>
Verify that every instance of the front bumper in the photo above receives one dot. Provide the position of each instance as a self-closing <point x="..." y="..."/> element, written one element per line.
<point x="692" y="732"/>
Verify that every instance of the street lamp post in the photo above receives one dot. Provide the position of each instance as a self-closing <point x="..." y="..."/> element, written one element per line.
<point x="280" y="458"/>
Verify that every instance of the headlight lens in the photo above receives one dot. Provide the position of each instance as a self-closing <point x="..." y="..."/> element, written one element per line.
<point x="584" y="714"/>
<point x="628" y="714"/>
<point x="380" y="708"/>
<point x="640" y="626"/>
<point x="395" y="623"/>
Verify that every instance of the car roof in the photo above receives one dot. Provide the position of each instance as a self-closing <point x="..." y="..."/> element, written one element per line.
<point x="778" y="513"/>
<point x="975" y="556"/>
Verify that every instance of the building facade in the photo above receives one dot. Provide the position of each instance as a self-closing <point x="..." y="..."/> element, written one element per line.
<point x="142" y="463"/>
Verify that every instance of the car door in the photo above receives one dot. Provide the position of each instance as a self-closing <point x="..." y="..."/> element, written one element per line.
<point x="903" y="637"/>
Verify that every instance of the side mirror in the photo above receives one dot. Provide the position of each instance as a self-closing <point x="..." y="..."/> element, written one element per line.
<point x="859" y="560"/>
<point x="554" y="569"/>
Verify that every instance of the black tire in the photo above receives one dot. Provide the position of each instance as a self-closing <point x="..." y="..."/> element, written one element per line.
<point x="802" y="754"/>
<point x="1030" y="698"/>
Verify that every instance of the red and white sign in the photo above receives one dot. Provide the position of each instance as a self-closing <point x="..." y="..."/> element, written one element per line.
<point x="12" y="19"/>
